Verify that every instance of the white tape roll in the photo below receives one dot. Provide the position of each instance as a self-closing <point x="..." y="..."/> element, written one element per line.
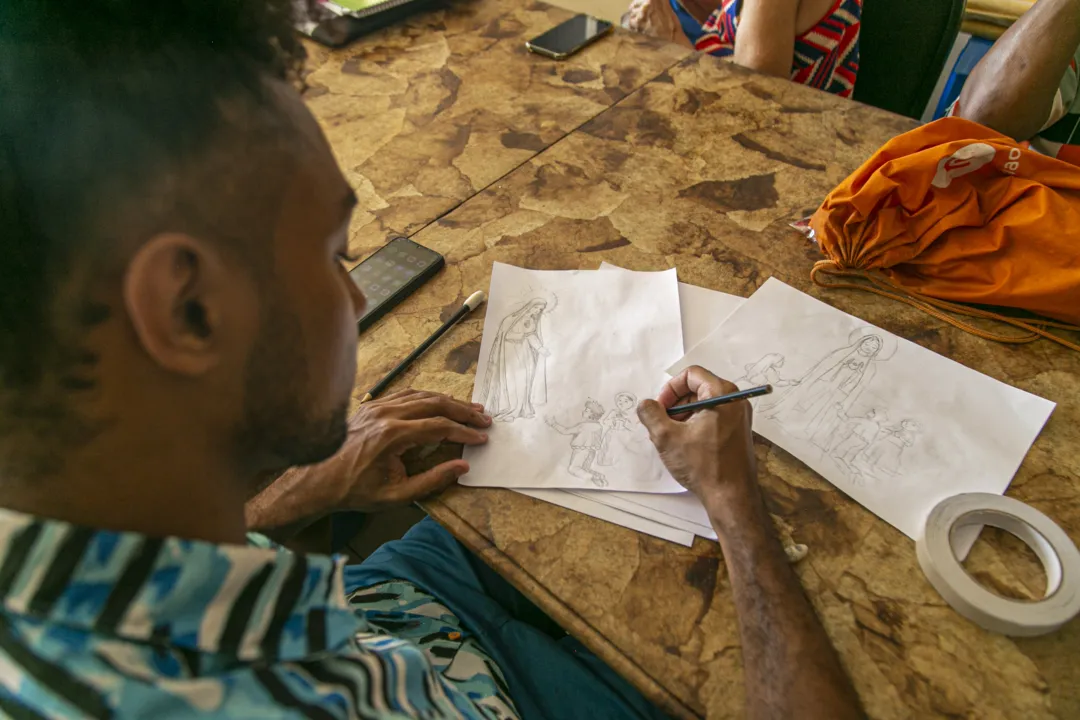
<point x="1020" y="618"/>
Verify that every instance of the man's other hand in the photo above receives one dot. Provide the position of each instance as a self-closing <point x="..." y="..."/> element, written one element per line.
<point x="710" y="452"/>
<point x="368" y="473"/>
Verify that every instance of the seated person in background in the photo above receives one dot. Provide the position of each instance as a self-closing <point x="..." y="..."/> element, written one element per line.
<point x="811" y="42"/>
<point x="176" y="322"/>
<point x="1026" y="85"/>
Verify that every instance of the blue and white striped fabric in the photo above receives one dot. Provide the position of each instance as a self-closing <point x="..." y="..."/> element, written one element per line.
<point x="104" y="624"/>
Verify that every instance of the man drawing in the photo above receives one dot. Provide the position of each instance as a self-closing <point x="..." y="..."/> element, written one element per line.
<point x="177" y="327"/>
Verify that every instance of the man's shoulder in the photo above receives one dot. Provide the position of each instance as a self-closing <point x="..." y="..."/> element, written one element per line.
<point x="54" y="670"/>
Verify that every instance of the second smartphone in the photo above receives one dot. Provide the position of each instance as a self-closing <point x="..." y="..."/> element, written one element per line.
<point x="564" y="40"/>
<point x="391" y="274"/>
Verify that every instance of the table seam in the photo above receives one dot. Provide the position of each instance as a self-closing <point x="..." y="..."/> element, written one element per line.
<point x="565" y="135"/>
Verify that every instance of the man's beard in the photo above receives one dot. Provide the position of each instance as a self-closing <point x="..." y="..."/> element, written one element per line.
<point x="278" y="427"/>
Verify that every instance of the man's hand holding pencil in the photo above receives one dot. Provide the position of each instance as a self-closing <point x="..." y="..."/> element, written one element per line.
<point x="711" y="451"/>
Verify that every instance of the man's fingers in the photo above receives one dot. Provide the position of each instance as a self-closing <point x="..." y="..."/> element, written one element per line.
<point x="405" y="434"/>
<point x="396" y="395"/>
<point x="390" y="398"/>
<point x="442" y="406"/>
<point x="706" y="385"/>
<point x="693" y="383"/>
<point x="422" y="485"/>
<point x="654" y="417"/>
<point x="677" y="390"/>
<point x="393" y="403"/>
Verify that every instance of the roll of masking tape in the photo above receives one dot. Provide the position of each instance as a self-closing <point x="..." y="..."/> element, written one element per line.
<point x="1020" y="618"/>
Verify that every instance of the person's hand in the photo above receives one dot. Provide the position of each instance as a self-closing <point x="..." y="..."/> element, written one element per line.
<point x="368" y="473"/>
<point x="711" y="452"/>
<point x="657" y="18"/>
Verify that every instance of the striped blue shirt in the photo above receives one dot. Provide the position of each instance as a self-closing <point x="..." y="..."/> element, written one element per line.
<point x="105" y="624"/>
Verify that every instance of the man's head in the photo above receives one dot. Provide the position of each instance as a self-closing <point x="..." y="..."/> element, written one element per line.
<point x="172" y="225"/>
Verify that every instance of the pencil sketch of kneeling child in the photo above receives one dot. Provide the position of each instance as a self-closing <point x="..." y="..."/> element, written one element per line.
<point x="587" y="437"/>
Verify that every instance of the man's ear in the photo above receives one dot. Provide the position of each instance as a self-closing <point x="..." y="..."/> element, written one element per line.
<point x="173" y="291"/>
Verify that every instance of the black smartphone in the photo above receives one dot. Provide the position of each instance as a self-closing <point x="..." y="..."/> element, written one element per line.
<point x="566" y="39"/>
<point x="391" y="274"/>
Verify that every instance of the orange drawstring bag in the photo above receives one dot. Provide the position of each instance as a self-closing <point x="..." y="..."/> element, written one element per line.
<point x="953" y="212"/>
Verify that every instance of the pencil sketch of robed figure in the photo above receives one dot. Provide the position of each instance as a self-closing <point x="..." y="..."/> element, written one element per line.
<point x="765" y="371"/>
<point x="516" y="378"/>
<point x="812" y="409"/>
<point x="586" y="439"/>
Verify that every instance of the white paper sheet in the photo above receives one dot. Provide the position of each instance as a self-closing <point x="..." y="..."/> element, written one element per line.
<point x="564" y="359"/>
<point x="679" y="510"/>
<point x="702" y="309"/>
<point x="608" y="513"/>
<point x="895" y="426"/>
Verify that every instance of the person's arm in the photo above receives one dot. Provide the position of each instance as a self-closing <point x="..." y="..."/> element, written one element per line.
<point x="791" y="668"/>
<point x="776" y="381"/>
<point x="279" y="511"/>
<point x="766" y="38"/>
<point x="368" y="472"/>
<point x="562" y="429"/>
<point x="1012" y="89"/>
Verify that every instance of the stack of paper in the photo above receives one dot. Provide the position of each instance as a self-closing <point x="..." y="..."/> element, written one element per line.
<point x="566" y="355"/>
<point x="583" y="348"/>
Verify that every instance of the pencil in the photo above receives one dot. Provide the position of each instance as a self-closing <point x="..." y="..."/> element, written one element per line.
<point x="720" y="400"/>
<point x="474" y="301"/>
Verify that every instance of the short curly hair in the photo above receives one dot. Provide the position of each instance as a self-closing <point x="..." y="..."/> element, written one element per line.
<point x="100" y="99"/>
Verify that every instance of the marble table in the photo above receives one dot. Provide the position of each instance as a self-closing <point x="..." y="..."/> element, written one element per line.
<point x="650" y="157"/>
<point x="424" y="115"/>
